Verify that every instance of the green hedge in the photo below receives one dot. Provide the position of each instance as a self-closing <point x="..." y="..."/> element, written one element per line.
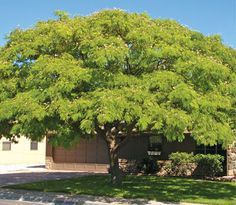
<point x="209" y="165"/>
<point x="201" y="165"/>
<point x="181" y="164"/>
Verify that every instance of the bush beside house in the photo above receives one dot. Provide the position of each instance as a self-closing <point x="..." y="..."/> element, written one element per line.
<point x="208" y="165"/>
<point x="179" y="164"/>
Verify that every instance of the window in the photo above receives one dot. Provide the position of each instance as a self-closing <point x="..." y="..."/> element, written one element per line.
<point x="155" y="145"/>
<point x="33" y="145"/>
<point x="201" y="149"/>
<point x="6" y="146"/>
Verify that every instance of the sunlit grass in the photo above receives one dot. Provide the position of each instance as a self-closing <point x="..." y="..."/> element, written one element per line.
<point x="146" y="187"/>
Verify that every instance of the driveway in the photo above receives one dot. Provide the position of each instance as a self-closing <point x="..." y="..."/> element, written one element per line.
<point x="21" y="168"/>
<point x="18" y="178"/>
<point x="25" y="174"/>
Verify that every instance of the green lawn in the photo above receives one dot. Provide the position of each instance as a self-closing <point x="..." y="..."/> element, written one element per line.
<point x="147" y="187"/>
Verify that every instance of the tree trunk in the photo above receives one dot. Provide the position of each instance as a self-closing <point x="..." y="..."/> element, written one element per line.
<point x="116" y="177"/>
<point x="110" y="136"/>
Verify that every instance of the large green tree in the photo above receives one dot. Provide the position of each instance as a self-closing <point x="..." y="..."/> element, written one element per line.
<point x="114" y="75"/>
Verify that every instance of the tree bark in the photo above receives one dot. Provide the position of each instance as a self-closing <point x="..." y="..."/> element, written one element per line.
<point x="110" y="135"/>
<point x="116" y="177"/>
<point x="113" y="146"/>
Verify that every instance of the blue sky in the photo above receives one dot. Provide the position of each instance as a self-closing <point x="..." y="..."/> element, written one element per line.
<point x="206" y="16"/>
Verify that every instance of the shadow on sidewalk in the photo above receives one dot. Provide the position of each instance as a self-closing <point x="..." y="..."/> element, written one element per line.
<point x="66" y="199"/>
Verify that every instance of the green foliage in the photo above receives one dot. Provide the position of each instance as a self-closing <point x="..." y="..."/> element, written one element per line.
<point x="70" y="77"/>
<point x="61" y="14"/>
<point x="182" y="164"/>
<point x="209" y="165"/>
<point x="201" y="165"/>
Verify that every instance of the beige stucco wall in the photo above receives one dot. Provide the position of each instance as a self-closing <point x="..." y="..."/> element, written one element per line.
<point x="20" y="153"/>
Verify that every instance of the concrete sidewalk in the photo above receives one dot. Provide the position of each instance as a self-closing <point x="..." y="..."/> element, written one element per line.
<point x="66" y="199"/>
<point x="14" y="202"/>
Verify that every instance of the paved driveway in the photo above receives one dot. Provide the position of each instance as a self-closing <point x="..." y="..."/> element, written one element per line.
<point x="25" y="177"/>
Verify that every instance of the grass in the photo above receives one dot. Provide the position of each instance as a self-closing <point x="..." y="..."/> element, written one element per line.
<point x="146" y="187"/>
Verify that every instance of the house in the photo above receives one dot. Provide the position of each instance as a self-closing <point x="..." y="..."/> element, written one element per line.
<point x="91" y="155"/>
<point x="24" y="152"/>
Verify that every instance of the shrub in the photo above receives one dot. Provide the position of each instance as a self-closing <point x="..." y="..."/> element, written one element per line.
<point x="182" y="164"/>
<point x="200" y="165"/>
<point x="209" y="165"/>
<point x="148" y="166"/>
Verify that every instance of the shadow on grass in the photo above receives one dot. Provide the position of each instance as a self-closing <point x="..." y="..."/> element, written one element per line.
<point x="179" y="189"/>
<point x="145" y="187"/>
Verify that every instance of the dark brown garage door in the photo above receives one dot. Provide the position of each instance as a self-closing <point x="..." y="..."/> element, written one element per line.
<point x="87" y="151"/>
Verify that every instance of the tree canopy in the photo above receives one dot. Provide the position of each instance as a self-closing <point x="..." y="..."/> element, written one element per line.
<point x="114" y="73"/>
